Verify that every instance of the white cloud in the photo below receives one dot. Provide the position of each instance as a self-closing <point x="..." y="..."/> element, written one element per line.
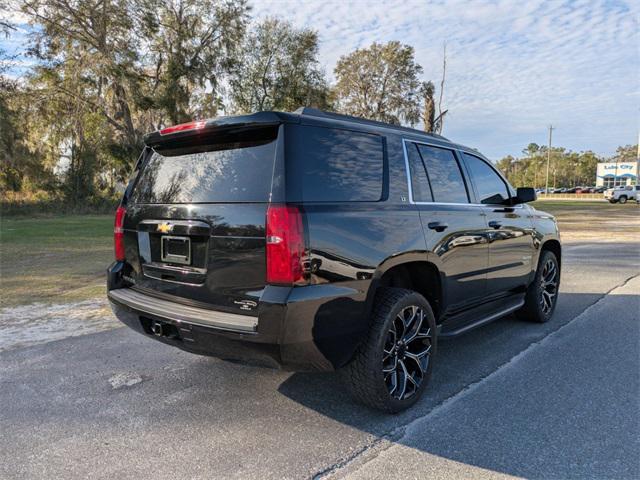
<point x="513" y="67"/>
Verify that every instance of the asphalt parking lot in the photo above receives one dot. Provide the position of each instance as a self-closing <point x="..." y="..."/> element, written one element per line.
<point x="559" y="400"/>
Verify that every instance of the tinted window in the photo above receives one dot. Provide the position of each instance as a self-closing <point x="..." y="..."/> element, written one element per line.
<point x="230" y="171"/>
<point x="331" y="165"/>
<point x="419" y="182"/>
<point x="444" y="175"/>
<point x="490" y="187"/>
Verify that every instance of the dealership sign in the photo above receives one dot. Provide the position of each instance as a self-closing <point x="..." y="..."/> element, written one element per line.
<point x="621" y="166"/>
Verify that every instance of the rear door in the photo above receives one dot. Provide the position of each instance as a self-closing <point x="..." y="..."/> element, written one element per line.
<point x="195" y="224"/>
<point x="510" y="229"/>
<point x="454" y="228"/>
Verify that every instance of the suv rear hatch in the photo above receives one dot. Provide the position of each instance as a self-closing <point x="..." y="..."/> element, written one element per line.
<point x="194" y="230"/>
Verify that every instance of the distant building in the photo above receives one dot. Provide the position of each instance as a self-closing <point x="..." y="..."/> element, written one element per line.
<point x="610" y="174"/>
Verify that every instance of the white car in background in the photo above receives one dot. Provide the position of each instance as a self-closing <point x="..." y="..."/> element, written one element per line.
<point x="622" y="194"/>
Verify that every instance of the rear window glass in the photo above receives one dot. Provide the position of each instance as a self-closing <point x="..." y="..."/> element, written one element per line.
<point x="333" y="165"/>
<point x="234" y="169"/>
<point x="420" y="191"/>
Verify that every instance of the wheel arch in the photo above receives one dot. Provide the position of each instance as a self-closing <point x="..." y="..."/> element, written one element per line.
<point x="421" y="276"/>
<point x="553" y="245"/>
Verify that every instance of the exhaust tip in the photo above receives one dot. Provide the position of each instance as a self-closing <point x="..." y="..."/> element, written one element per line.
<point x="156" y="328"/>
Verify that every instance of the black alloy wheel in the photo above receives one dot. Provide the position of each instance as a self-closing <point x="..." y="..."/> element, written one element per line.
<point x="542" y="294"/>
<point x="549" y="281"/>
<point x="407" y="352"/>
<point x="393" y="364"/>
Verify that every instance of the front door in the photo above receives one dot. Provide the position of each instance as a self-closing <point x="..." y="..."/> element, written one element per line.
<point x="455" y="230"/>
<point x="509" y="229"/>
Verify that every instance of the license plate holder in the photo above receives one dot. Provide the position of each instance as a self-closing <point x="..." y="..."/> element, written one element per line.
<point x="175" y="249"/>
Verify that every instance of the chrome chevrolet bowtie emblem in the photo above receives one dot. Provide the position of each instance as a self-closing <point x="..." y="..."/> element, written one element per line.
<point x="164" y="227"/>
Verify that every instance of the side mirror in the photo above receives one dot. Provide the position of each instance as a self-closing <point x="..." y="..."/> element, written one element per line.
<point x="525" y="195"/>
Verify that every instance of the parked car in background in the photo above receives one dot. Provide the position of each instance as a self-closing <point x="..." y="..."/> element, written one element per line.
<point x="318" y="241"/>
<point x="623" y="194"/>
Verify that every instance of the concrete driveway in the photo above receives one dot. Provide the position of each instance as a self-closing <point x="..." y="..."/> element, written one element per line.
<point x="557" y="400"/>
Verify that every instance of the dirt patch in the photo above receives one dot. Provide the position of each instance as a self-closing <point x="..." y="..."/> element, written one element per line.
<point x="38" y="323"/>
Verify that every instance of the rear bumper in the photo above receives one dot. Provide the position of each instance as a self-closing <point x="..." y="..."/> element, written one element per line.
<point x="198" y="339"/>
<point x="317" y="327"/>
<point x="183" y="313"/>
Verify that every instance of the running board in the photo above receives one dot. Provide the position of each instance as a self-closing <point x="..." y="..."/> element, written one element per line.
<point x="482" y="321"/>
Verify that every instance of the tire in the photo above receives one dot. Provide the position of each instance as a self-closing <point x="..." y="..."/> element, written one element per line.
<point x="393" y="365"/>
<point x="623" y="199"/>
<point x="542" y="294"/>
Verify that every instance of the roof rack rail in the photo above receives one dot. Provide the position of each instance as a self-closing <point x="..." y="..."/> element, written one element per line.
<point x="315" y="112"/>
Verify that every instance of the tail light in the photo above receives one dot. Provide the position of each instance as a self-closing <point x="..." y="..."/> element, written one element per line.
<point x="285" y="245"/>
<point x="118" y="233"/>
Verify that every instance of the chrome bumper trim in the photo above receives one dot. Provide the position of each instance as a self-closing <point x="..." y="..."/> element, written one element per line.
<point x="183" y="313"/>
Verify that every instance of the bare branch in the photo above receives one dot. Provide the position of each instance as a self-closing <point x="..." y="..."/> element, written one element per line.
<point x="440" y="121"/>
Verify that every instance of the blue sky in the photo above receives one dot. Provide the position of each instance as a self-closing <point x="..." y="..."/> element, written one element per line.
<point x="513" y="67"/>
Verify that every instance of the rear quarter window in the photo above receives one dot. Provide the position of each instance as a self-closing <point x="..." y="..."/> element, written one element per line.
<point x="333" y="165"/>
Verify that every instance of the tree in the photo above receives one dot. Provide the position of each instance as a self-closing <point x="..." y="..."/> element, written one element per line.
<point x="428" y="107"/>
<point x="15" y="161"/>
<point x="568" y="168"/>
<point x="110" y="70"/>
<point x="380" y="83"/>
<point x="278" y="70"/>
<point x="5" y="25"/>
<point x="191" y="45"/>
<point x="627" y="153"/>
<point x="95" y="36"/>
<point x="532" y="154"/>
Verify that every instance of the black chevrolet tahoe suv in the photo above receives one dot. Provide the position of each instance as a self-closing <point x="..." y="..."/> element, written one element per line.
<point x="312" y="240"/>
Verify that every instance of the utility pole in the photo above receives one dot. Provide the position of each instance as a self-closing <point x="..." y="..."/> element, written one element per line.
<point x="546" y="190"/>
<point x="638" y="162"/>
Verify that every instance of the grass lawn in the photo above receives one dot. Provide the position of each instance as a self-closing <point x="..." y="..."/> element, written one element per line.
<point x="54" y="259"/>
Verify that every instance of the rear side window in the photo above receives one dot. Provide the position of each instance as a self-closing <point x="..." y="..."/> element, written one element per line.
<point x="490" y="187"/>
<point x="222" y="168"/>
<point x="444" y="174"/>
<point x="333" y="165"/>
<point x="420" y="191"/>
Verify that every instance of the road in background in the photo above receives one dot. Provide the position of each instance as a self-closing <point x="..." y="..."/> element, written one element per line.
<point x="117" y="405"/>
